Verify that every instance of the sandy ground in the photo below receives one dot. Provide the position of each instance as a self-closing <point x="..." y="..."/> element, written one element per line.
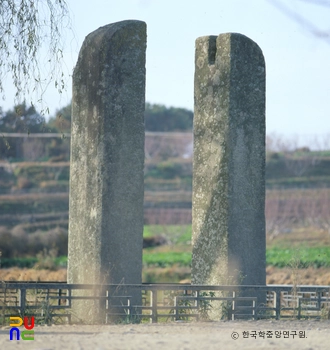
<point x="311" y="276"/>
<point x="179" y="335"/>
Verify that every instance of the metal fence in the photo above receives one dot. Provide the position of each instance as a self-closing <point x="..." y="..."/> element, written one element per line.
<point x="51" y="302"/>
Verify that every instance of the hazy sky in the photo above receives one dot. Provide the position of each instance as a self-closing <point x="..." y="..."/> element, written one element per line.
<point x="297" y="61"/>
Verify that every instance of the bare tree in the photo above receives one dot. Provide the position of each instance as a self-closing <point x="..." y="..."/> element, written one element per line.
<point x="280" y="212"/>
<point x="164" y="145"/>
<point x="299" y="164"/>
<point x="318" y="210"/>
<point x="274" y="221"/>
<point x="301" y="20"/>
<point x="33" y="149"/>
<point x="298" y="160"/>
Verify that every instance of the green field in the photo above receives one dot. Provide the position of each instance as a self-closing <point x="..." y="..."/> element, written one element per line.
<point x="290" y="250"/>
<point x="300" y="258"/>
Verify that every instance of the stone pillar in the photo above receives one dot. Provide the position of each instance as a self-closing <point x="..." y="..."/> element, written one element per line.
<point x="228" y="224"/>
<point x="107" y="161"/>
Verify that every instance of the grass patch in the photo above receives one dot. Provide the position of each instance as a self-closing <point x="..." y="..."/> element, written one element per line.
<point x="167" y="259"/>
<point x="30" y="262"/>
<point x="18" y="262"/>
<point x="308" y="256"/>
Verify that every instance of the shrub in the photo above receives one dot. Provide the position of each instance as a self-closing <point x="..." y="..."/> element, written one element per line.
<point x="46" y="259"/>
<point x="6" y="243"/>
<point x="169" y="170"/>
<point x="23" y="183"/>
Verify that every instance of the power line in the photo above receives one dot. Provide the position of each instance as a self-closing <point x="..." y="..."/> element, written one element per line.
<point x="68" y="135"/>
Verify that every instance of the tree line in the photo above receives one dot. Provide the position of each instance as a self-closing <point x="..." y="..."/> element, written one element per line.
<point x="25" y="119"/>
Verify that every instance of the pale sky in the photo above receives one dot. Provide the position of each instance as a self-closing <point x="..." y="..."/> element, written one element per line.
<point x="297" y="61"/>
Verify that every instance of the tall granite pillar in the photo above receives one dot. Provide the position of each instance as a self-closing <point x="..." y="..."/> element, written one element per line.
<point x="107" y="161"/>
<point x="229" y="162"/>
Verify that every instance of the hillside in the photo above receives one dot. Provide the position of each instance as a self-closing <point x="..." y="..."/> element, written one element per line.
<point x="35" y="168"/>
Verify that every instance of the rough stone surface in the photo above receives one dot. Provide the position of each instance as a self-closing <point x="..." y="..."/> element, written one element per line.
<point x="229" y="162"/>
<point x="107" y="161"/>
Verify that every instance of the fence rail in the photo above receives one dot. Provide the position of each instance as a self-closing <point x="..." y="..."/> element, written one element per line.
<point x="51" y="302"/>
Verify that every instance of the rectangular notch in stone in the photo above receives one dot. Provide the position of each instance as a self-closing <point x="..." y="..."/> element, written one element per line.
<point x="212" y="49"/>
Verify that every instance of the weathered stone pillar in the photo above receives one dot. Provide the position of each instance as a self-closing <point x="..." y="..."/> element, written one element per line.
<point x="107" y="161"/>
<point x="229" y="162"/>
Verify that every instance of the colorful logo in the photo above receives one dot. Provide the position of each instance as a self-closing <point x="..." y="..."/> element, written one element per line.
<point x="26" y="335"/>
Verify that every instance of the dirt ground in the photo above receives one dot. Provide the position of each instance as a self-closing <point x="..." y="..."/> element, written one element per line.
<point x="178" y="335"/>
<point x="184" y="336"/>
<point x="274" y="275"/>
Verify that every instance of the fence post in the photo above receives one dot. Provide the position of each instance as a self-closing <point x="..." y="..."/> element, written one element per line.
<point x="22" y="300"/>
<point x="277" y="304"/>
<point x="154" y="305"/>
